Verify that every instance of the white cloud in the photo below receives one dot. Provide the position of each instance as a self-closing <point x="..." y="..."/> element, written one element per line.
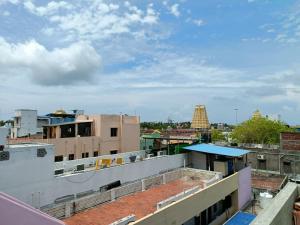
<point x="6" y="13"/>
<point x="96" y="20"/>
<point x="61" y="66"/>
<point x="288" y="29"/>
<point x="50" y="9"/>
<point x="198" y="22"/>
<point x="174" y="9"/>
<point x="2" y="2"/>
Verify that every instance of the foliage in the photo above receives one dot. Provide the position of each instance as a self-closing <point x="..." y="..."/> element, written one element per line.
<point x="217" y="135"/>
<point x="165" y="125"/>
<point x="259" y="130"/>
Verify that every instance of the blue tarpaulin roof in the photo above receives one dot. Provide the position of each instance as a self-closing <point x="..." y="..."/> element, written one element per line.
<point x="240" y="218"/>
<point x="218" y="150"/>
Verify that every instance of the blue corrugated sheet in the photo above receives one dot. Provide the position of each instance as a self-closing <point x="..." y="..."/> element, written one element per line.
<point x="218" y="150"/>
<point x="240" y="218"/>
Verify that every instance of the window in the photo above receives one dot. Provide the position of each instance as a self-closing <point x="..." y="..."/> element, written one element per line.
<point x="96" y="153"/>
<point x="287" y="167"/>
<point x="113" y="132"/>
<point x="67" y="130"/>
<point x="58" y="158"/>
<point x="84" y="155"/>
<point x="71" y="156"/>
<point x="114" y="152"/>
<point x="262" y="164"/>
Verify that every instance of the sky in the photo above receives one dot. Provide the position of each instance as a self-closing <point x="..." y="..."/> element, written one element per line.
<point x="156" y="59"/>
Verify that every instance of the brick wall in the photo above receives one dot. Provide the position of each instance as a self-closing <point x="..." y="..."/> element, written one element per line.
<point x="290" y="141"/>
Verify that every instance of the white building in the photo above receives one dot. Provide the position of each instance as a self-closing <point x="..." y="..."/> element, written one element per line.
<point x="27" y="122"/>
<point x="28" y="172"/>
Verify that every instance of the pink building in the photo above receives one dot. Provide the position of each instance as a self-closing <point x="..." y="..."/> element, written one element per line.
<point x="15" y="212"/>
<point x="91" y="136"/>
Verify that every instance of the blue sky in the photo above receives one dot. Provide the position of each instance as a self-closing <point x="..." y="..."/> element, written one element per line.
<point x="156" y="59"/>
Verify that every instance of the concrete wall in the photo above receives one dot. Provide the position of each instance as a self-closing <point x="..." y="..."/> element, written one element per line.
<point x="244" y="191"/>
<point x="70" y="165"/>
<point x="275" y="160"/>
<point x="181" y="211"/>
<point x="3" y="135"/>
<point x="280" y="209"/>
<point x="77" y="146"/>
<point x="197" y="160"/>
<point x="27" y="123"/>
<point x="31" y="179"/>
<point x="14" y="212"/>
<point x="290" y="141"/>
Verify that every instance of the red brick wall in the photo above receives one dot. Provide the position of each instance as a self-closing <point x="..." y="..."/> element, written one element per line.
<point x="290" y="141"/>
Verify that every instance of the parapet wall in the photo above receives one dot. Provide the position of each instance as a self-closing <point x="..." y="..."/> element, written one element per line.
<point x="280" y="208"/>
<point x="66" y="209"/>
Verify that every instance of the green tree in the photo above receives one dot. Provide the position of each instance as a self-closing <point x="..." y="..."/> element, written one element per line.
<point x="259" y="130"/>
<point x="217" y="135"/>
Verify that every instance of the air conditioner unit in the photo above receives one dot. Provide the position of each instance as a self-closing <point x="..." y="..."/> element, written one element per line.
<point x="4" y="155"/>
<point x="80" y="167"/>
<point x="59" y="171"/>
<point x="261" y="157"/>
<point x="41" y="152"/>
<point x="149" y="156"/>
<point x="159" y="153"/>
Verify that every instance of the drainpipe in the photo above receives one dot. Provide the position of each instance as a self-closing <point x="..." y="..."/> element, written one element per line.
<point x="279" y="163"/>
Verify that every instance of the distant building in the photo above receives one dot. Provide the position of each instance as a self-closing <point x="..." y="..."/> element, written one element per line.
<point x="89" y="136"/>
<point x="27" y="122"/>
<point x="257" y="114"/>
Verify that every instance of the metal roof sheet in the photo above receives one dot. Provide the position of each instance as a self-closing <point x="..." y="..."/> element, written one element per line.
<point x="218" y="150"/>
<point x="240" y="218"/>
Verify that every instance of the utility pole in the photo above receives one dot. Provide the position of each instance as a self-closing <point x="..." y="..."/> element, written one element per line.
<point x="236" y="116"/>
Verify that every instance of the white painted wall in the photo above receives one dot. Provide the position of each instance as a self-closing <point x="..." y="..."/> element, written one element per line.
<point x="3" y="135"/>
<point x="70" y="165"/>
<point x="27" y="123"/>
<point x="31" y="179"/>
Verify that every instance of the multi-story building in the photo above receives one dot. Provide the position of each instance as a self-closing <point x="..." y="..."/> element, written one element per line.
<point x="129" y="186"/>
<point x="91" y="136"/>
<point x="78" y="136"/>
<point x="27" y="122"/>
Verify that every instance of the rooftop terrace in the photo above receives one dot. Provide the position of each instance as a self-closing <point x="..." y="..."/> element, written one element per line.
<point x="139" y="198"/>
<point x="140" y="204"/>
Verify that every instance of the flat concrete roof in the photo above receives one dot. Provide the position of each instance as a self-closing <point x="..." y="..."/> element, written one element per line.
<point x="140" y="204"/>
<point x="68" y="123"/>
<point x="23" y="145"/>
<point x="271" y="182"/>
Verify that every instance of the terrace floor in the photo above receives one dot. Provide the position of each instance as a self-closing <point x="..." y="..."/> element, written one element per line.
<point x="140" y="204"/>
<point x="270" y="183"/>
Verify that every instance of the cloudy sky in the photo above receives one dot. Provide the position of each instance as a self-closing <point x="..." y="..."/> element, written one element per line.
<point x="156" y="59"/>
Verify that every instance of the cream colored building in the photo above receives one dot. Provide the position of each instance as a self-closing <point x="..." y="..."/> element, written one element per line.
<point x="92" y="135"/>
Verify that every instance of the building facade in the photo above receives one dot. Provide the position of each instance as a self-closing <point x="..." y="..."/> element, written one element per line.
<point x="26" y="123"/>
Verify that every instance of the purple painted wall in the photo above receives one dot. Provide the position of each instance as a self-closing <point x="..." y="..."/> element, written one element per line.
<point x="244" y="190"/>
<point x="15" y="212"/>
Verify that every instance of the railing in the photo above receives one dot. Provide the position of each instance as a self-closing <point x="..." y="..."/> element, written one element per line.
<point x="102" y="161"/>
